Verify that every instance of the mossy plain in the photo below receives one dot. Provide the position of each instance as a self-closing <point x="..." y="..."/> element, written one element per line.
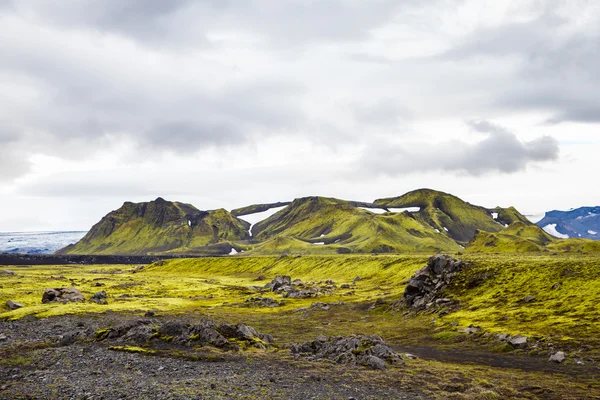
<point x="490" y="291"/>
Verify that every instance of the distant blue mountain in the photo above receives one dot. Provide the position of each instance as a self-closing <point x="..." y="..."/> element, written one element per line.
<point x="583" y="222"/>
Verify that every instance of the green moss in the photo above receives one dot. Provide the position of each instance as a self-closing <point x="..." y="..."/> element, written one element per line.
<point x="133" y="349"/>
<point x="447" y="336"/>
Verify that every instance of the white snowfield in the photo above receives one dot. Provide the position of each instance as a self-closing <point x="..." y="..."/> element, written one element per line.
<point x="392" y="210"/>
<point x="319" y="243"/>
<point x="233" y="252"/>
<point x="374" y="210"/>
<point x="409" y="209"/>
<point x="551" y="229"/>
<point x="255" y="218"/>
<point x="495" y="215"/>
<point x="592" y="232"/>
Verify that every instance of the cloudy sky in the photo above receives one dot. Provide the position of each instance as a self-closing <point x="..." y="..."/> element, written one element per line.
<point x="224" y="103"/>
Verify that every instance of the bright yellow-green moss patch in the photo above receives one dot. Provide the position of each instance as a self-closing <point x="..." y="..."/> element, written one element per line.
<point x="132" y="349"/>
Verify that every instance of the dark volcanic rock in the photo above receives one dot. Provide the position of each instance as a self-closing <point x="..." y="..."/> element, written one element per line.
<point x="143" y="332"/>
<point x="99" y="297"/>
<point x="7" y="272"/>
<point x="425" y="287"/>
<point x="369" y="351"/>
<point x="62" y="295"/>
<point x="13" y="305"/>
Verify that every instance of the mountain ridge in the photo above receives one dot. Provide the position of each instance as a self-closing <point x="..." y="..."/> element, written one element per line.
<point x="422" y="220"/>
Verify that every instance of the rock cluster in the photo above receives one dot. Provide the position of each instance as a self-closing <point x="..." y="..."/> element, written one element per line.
<point x="370" y="351"/>
<point x="263" y="302"/>
<point x="142" y="332"/>
<point x="62" y="295"/>
<point x="7" y="272"/>
<point x="284" y="285"/>
<point x="425" y="287"/>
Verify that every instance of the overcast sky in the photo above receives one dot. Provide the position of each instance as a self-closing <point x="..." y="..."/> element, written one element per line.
<point x="224" y="103"/>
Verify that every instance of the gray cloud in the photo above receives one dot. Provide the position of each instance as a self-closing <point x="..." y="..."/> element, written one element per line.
<point x="557" y="58"/>
<point x="499" y="151"/>
<point x="182" y="76"/>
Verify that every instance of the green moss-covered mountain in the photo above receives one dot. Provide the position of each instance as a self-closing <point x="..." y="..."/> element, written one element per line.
<point x="161" y="226"/>
<point x="461" y="220"/>
<point x="423" y="220"/>
<point x="523" y="238"/>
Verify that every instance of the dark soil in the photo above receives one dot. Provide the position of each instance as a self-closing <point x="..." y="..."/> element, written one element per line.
<point x="34" y="365"/>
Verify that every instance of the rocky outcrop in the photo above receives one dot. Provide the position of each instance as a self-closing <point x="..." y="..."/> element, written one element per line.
<point x="297" y="289"/>
<point x="62" y="295"/>
<point x="370" y="351"/>
<point x="7" y="272"/>
<point x="143" y="332"/>
<point x="263" y="302"/>
<point x="425" y="288"/>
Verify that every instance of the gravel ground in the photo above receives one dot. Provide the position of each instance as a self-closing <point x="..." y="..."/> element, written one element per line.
<point x="33" y="366"/>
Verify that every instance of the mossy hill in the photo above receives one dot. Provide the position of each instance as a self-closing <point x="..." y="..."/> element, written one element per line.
<point x="436" y="221"/>
<point x="461" y="220"/>
<point x="522" y="238"/>
<point x="161" y="226"/>
<point x="328" y="225"/>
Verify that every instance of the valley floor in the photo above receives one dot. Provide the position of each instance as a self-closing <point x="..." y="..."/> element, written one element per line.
<point x="35" y="363"/>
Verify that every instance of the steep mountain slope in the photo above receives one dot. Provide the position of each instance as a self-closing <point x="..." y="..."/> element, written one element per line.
<point x="583" y="222"/>
<point x="159" y="226"/>
<point x="446" y="212"/>
<point x="257" y="208"/>
<point x="333" y="225"/>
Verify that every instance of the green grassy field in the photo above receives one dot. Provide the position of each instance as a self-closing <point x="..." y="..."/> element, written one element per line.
<point x="490" y="291"/>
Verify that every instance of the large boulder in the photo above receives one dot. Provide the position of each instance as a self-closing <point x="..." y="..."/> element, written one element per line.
<point x="518" y="341"/>
<point x="558" y="357"/>
<point x="62" y="295"/>
<point x="7" y="272"/>
<point x="279" y="282"/>
<point x="13" y="305"/>
<point x="425" y="287"/>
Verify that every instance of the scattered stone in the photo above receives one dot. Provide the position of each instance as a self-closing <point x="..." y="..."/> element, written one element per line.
<point x="356" y="279"/>
<point x="149" y="314"/>
<point x="13" y="305"/>
<point x="138" y="269"/>
<point x="410" y="356"/>
<point x="329" y="282"/>
<point x="143" y="332"/>
<point x="263" y="302"/>
<point x="518" y="341"/>
<point x="3" y="337"/>
<point x="345" y="286"/>
<point x="7" y="272"/>
<point x="261" y="278"/>
<point x="558" y="357"/>
<point x="528" y="299"/>
<point x="99" y="298"/>
<point x="556" y="286"/>
<point x="502" y="336"/>
<point x="425" y="286"/>
<point x="370" y="351"/>
<point x="470" y="329"/>
<point x="62" y="295"/>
